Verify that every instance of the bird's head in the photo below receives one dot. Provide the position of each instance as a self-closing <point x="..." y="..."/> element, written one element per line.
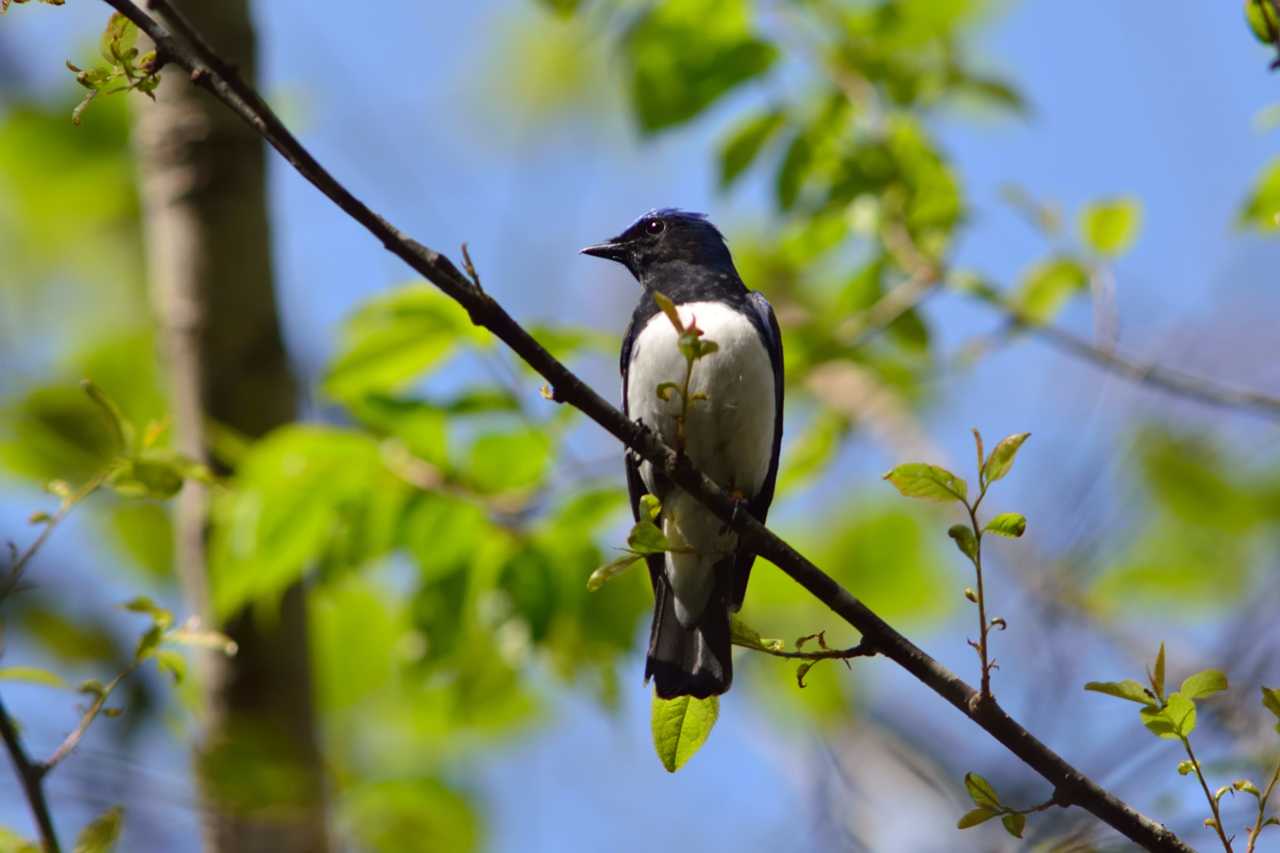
<point x="666" y="236"/>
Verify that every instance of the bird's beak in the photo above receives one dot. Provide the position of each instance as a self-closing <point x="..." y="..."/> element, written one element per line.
<point x="614" y="250"/>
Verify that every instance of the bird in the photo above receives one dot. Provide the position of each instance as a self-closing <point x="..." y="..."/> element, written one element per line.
<point x="732" y="432"/>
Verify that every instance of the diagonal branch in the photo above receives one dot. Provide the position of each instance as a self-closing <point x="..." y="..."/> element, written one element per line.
<point x="30" y="775"/>
<point x="211" y="74"/>
<point x="1175" y="382"/>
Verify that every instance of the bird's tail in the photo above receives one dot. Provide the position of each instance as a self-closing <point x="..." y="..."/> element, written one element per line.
<point x="694" y="661"/>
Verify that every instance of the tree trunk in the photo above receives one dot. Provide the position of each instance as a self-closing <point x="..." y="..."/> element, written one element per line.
<point x="209" y="262"/>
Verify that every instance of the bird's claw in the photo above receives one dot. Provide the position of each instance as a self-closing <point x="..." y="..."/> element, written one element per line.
<point x="739" y="501"/>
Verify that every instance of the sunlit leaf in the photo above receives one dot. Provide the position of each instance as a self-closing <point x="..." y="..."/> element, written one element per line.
<point x="1014" y="823"/>
<point x="1203" y="683"/>
<point x="101" y="834"/>
<point x="981" y="791"/>
<point x="973" y="817"/>
<point x="395" y="339"/>
<point x="685" y="56"/>
<point x="681" y="726"/>
<point x="1261" y="209"/>
<point x="928" y="482"/>
<point x="1000" y="460"/>
<point x="744" y="143"/>
<point x="1174" y="721"/>
<point x="31" y="675"/>
<point x="1109" y="227"/>
<point x="1009" y="524"/>
<point x="1046" y="287"/>
<point x="963" y="536"/>
<point x="1127" y="689"/>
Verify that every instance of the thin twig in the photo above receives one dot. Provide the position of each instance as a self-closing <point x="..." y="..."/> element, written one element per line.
<point x="1213" y="801"/>
<point x="211" y="74"/>
<point x="1165" y="379"/>
<point x="68" y="503"/>
<point x="91" y="713"/>
<point x="1258" y="824"/>
<point x="864" y="649"/>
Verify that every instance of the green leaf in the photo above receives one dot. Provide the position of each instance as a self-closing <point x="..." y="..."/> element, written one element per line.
<point x="171" y="662"/>
<point x="303" y="496"/>
<point x="157" y="475"/>
<point x="964" y="539"/>
<point x="610" y="570"/>
<point x="148" y="642"/>
<point x="512" y="461"/>
<point x="202" y="639"/>
<point x="1262" y="19"/>
<point x="1203" y="683"/>
<point x="975" y="817"/>
<point x="650" y="507"/>
<point x="118" y="39"/>
<point x="1176" y="720"/>
<point x="1246" y="786"/>
<point x="121" y="428"/>
<point x="744" y="143"/>
<point x="101" y="834"/>
<point x="685" y="56"/>
<point x="927" y="482"/>
<point x="792" y="171"/>
<point x="1109" y="227"/>
<point x="1271" y="700"/>
<point x="1157" y="676"/>
<point x="10" y="841"/>
<point x="742" y="634"/>
<point x="394" y="339"/>
<point x="1261" y="209"/>
<point x="681" y="726"/>
<point x="563" y="8"/>
<point x="1002" y="456"/>
<point x="981" y="791"/>
<point x="1014" y="823"/>
<point x="31" y="675"/>
<point x="802" y="669"/>
<point x="808" y="455"/>
<point x="1127" y="689"/>
<point x="1010" y="524"/>
<point x="411" y="814"/>
<point x="645" y="538"/>
<point x="1046" y="287"/>
<point x="142" y="604"/>
<point x="1186" y="766"/>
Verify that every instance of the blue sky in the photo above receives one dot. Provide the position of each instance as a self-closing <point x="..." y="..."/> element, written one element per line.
<point x="1156" y="100"/>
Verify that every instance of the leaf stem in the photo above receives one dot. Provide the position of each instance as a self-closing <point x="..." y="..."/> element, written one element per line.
<point x="1256" y="829"/>
<point x="863" y="649"/>
<point x="984" y="628"/>
<point x="1213" y="803"/>
<point x="73" y="737"/>
<point x="11" y="580"/>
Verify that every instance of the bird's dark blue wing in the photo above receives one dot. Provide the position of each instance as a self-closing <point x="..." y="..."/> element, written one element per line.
<point x="759" y="504"/>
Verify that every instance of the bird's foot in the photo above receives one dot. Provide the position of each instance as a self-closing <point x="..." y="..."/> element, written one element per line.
<point x="739" y="507"/>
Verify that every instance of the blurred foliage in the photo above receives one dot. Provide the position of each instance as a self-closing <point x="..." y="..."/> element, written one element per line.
<point x="447" y="540"/>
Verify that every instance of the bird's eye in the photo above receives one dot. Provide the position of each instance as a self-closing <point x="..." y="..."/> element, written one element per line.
<point x="655" y="227"/>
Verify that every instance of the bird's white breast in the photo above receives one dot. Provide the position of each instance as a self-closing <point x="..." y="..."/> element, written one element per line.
<point x="729" y="435"/>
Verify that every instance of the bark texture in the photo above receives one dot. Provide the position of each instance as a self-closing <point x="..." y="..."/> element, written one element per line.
<point x="208" y="250"/>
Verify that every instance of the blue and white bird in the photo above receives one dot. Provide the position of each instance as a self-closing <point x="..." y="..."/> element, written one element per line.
<point x="733" y="435"/>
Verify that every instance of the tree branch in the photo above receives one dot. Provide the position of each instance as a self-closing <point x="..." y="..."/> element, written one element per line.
<point x="30" y="774"/>
<point x="211" y="74"/>
<point x="1165" y="379"/>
